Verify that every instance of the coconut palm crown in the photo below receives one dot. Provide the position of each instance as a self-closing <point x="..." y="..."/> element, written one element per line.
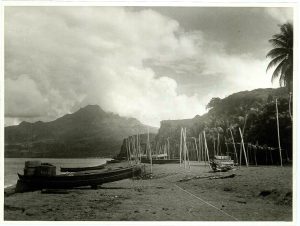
<point x="282" y="56"/>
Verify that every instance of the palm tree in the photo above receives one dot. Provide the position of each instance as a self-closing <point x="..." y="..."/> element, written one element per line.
<point x="282" y="56"/>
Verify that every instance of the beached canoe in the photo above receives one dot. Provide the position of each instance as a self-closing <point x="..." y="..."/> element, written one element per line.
<point x="113" y="161"/>
<point x="160" y="161"/>
<point x="78" y="169"/>
<point x="72" y="180"/>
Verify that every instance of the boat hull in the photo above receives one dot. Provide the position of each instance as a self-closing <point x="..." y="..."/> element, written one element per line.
<point x="29" y="183"/>
<point x="79" y="169"/>
<point x="160" y="161"/>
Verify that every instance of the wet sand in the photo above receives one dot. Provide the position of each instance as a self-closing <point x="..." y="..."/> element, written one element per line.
<point x="261" y="193"/>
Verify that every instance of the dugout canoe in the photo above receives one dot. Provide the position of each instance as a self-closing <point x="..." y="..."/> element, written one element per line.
<point x="73" y="180"/>
<point x="79" y="169"/>
<point x="160" y="161"/>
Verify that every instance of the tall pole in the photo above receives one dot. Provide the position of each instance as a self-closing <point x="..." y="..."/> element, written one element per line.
<point x="278" y="133"/>
<point x="169" y="154"/>
<point x="180" y="146"/>
<point x="234" y="145"/>
<point x="205" y="145"/>
<point x="150" y="152"/>
<point x="184" y="147"/>
<point x="218" y="144"/>
<point x="197" y="153"/>
<point x="242" y="144"/>
<point x="200" y="149"/>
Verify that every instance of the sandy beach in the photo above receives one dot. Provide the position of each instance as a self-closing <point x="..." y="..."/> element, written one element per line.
<point x="173" y="194"/>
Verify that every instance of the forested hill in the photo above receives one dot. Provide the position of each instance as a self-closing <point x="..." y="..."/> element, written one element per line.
<point x="255" y="111"/>
<point x="89" y="132"/>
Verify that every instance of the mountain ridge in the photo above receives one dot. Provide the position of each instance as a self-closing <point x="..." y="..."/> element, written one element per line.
<point x="88" y="132"/>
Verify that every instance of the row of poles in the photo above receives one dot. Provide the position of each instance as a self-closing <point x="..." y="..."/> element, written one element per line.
<point x="201" y="148"/>
<point x="134" y="150"/>
<point x="133" y="147"/>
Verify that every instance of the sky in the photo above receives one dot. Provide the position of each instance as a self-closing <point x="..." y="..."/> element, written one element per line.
<point x="151" y="63"/>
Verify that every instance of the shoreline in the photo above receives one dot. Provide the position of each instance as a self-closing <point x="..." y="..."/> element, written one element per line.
<point x="173" y="194"/>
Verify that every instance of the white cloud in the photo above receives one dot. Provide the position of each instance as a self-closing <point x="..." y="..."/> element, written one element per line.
<point x="281" y="14"/>
<point x="78" y="56"/>
<point x="95" y="56"/>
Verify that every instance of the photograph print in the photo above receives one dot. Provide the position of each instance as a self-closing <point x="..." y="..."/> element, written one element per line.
<point x="139" y="113"/>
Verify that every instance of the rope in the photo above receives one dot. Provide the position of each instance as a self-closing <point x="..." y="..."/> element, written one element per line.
<point x="207" y="202"/>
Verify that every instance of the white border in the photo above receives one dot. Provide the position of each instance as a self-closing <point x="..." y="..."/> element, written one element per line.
<point x="195" y="3"/>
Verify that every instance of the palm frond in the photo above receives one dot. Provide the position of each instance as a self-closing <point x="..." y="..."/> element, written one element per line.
<point x="278" y="70"/>
<point x="282" y="55"/>
<point x="276" y="61"/>
<point x="278" y="43"/>
<point x="276" y="52"/>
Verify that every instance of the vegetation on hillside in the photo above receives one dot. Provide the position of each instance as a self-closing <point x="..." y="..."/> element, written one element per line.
<point x="252" y="111"/>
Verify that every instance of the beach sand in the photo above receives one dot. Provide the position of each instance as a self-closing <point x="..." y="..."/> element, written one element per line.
<point x="261" y="193"/>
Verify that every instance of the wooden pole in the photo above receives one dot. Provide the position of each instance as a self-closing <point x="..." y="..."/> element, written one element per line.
<point x="218" y="145"/>
<point x="196" y="148"/>
<point x="234" y="145"/>
<point x="180" y="147"/>
<point x="200" y="149"/>
<point x="184" y="148"/>
<point x="242" y="144"/>
<point x="149" y="151"/>
<point x="205" y="144"/>
<point x="214" y="146"/>
<point x="278" y="133"/>
<point x="169" y="154"/>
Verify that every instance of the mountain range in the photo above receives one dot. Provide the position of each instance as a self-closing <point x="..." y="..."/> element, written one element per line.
<point x="88" y="132"/>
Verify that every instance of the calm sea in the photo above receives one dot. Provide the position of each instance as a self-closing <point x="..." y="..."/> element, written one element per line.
<point x="14" y="165"/>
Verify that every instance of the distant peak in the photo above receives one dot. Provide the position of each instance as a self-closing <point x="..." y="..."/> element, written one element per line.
<point x="91" y="108"/>
<point x="24" y="123"/>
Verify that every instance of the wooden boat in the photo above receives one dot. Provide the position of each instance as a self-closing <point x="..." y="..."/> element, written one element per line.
<point x="72" y="180"/>
<point x="160" y="161"/>
<point x="78" y="169"/>
<point x="221" y="163"/>
<point x="113" y="161"/>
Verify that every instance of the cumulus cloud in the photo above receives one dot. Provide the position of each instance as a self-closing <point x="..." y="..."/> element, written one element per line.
<point x="58" y="59"/>
<point x="70" y="61"/>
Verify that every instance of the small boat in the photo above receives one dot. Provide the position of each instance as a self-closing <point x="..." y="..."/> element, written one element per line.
<point x="221" y="163"/>
<point x="160" y="161"/>
<point x="73" y="180"/>
<point x="113" y="161"/>
<point x="78" y="169"/>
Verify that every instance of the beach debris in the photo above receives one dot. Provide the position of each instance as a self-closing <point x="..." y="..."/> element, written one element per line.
<point x="207" y="177"/>
<point x="223" y="177"/>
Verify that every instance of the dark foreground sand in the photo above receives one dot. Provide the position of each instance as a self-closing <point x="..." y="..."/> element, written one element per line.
<point x="253" y="194"/>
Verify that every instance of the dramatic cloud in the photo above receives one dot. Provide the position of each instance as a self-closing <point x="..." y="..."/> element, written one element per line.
<point x="136" y="63"/>
<point x="70" y="61"/>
